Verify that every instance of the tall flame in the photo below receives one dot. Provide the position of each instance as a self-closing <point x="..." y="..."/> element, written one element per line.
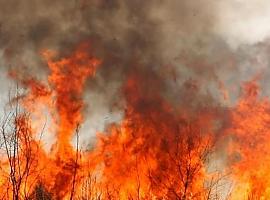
<point x="157" y="151"/>
<point x="62" y="96"/>
<point x="250" y="146"/>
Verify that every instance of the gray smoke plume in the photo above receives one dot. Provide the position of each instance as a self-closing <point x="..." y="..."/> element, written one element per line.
<point x="194" y="51"/>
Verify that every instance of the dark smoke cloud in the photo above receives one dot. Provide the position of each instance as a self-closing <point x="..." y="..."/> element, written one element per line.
<point x="173" y="43"/>
<point x="190" y="52"/>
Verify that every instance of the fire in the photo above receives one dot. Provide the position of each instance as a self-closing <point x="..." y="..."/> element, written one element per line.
<point x="154" y="153"/>
<point x="250" y="132"/>
<point x="157" y="151"/>
<point x="62" y="96"/>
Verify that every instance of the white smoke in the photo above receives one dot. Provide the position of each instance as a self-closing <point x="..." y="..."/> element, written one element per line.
<point x="243" y="21"/>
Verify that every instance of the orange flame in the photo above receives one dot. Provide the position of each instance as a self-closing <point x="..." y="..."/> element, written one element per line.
<point x="62" y="96"/>
<point x="250" y="146"/>
<point x="156" y="152"/>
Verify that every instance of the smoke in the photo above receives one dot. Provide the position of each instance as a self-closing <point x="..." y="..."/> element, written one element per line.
<point x="195" y="53"/>
<point x="247" y="22"/>
<point x="192" y="54"/>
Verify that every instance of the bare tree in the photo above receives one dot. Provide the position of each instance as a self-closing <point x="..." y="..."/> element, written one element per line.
<point x="184" y="163"/>
<point x="19" y="150"/>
